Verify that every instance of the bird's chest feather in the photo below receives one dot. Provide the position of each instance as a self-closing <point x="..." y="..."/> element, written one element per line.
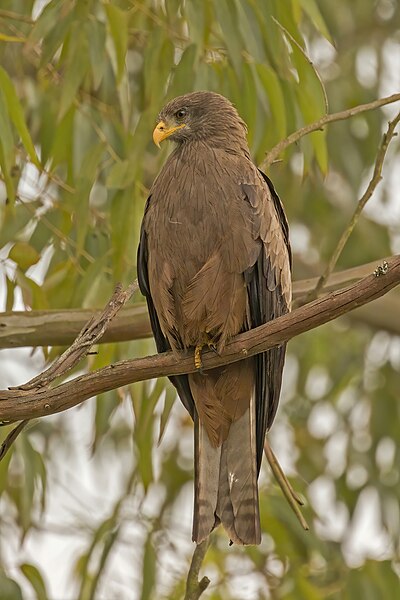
<point x="192" y="209"/>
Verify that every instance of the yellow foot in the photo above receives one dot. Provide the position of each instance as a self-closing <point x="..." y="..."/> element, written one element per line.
<point x="198" y="363"/>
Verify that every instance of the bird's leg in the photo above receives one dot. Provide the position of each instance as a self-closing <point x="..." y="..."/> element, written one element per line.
<point x="206" y="341"/>
<point x="198" y="363"/>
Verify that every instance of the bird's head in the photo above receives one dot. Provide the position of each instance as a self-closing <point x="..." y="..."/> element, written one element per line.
<point x="201" y="116"/>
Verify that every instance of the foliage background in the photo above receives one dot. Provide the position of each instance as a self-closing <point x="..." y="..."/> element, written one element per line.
<point x="91" y="505"/>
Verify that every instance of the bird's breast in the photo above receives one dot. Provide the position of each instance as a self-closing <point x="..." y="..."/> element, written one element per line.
<point x="188" y="212"/>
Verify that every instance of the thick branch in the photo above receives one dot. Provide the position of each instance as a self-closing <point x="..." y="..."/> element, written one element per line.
<point x="22" y="404"/>
<point x="274" y="153"/>
<point x="61" y="327"/>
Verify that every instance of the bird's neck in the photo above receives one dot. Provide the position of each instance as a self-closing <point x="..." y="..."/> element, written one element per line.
<point x="190" y="149"/>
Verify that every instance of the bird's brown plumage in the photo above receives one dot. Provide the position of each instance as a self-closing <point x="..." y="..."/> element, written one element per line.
<point x="214" y="260"/>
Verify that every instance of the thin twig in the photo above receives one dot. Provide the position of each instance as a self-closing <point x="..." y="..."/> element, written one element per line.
<point x="290" y="494"/>
<point x="274" y="153"/>
<point x="8" y="14"/>
<point x="194" y="587"/>
<point x="375" y="179"/>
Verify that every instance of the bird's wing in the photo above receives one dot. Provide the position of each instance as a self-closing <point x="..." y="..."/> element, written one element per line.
<point x="180" y="382"/>
<point x="268" y="283"/>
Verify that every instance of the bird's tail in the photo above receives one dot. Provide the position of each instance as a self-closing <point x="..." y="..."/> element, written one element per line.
<point x="226" y="482"/>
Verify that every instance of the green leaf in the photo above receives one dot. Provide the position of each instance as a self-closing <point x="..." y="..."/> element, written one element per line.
<point x="169" y="401"/>
<point x="110" y="538"/>
<point x="24" y="255"/>
<point x="62" y="150"/>
<point x="33" y="294"/>
<point x="228" y="21"/>
<point x="10" y="284"/>
<point x="311" y="8"/>
<point x="118" y="24"/>
<point x="149" y="570"/>
<point x="126" y="207"/>
<point x="10" y="589"/>
<point x="160" y="52"/>
<point x="4" y="463"/>
<point x="318" y="139"/>
<point x="84" y="183"/>
<point x="14" y="221"/>
<point x="35" y="578"/>
<point x="6" y="148"/>
<point x="271" y="85"/>
<point x="311" y="99"/>
<point x="185" y="71"/>
<point x="195" y="13"/>
<point x="17" y="115"/>
<point x="247" y="100"/>
<point x="305" y="589"/>
<point x="105" y="406"/>
<point x="250" y="29"/>
<point x="102" y="541"/>
<point x="96" y="32"/>
<point x="55" y="37"/>
<point x="310" y="85"/>
<point x="121" y="175"/>
<point x="144" y="406"/>
<point x="77" y="64"/>
<point x="45" y="22"/>
<point x="87" y="291"/>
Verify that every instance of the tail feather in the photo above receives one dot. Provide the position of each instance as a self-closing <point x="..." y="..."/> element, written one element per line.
<point x="226" y="483"/>
<point x="206" y="475"/>
<point x="241" y="472"/>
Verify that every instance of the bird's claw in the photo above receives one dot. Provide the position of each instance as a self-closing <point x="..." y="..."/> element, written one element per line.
<point x="213" y="347"/>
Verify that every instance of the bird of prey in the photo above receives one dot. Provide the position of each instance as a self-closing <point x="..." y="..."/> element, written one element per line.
<point x="213" y="261"/>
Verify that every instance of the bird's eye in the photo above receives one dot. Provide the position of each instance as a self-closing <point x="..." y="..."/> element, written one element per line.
<point x="182" y="112"/>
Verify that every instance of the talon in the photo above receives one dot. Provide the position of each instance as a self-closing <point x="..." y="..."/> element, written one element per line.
<point x="212" y="347"/>
<point x="198" y="363"/>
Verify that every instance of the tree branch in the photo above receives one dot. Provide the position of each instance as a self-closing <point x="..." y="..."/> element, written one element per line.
<point x="274" y="153"/>
<point x="89" y="335"/>
<point x="291" y="496"/>
<point x="61" y="327"/>
<point x="374" y="181"/>
<point x="194" y="587"/>
<point x="19" y="404"/>
<point x="8" y="14"/>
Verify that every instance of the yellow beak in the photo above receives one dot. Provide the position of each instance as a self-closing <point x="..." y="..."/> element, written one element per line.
<point x="161" y="132"/>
